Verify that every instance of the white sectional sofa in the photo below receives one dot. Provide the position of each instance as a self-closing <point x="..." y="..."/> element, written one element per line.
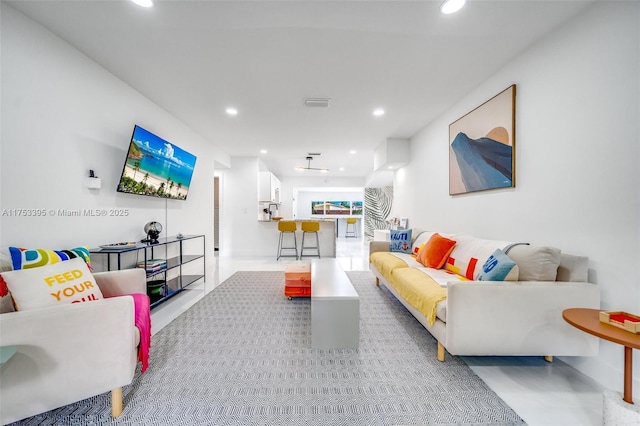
<point x="473" y="317"/>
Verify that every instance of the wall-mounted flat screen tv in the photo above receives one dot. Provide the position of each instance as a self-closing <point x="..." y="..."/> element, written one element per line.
<point x="155" y="167"/>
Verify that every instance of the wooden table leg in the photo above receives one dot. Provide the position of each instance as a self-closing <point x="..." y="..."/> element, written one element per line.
<point x="628" y="373"/>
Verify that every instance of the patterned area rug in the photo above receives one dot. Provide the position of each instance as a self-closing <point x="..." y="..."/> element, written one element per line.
<point x="242" y="356"/>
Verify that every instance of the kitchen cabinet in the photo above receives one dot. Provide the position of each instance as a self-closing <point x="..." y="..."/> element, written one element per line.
<point x="268" y="188"/>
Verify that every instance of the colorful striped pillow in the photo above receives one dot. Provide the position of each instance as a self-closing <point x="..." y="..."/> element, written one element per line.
<point x="470" y="253"/>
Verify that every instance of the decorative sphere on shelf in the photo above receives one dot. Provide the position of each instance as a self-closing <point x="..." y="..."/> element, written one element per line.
<point x="153" y="230"/>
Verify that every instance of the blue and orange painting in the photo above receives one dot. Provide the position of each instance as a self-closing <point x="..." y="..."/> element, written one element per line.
<point x="482" y="146"/>
<point x="156" y="167"/>
<point x="484" y="163"/>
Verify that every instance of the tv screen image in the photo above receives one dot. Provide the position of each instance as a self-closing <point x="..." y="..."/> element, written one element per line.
<point x="155" y="167"/>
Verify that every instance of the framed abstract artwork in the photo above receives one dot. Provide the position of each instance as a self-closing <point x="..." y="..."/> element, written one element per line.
<point x="482" y="146"/>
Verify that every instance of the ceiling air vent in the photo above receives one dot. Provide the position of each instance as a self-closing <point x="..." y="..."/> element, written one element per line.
<point x="317" y="102"/>
<point x="314" y="154"/>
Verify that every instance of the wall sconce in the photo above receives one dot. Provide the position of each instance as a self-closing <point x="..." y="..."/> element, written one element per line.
<point x="93" y="181"/>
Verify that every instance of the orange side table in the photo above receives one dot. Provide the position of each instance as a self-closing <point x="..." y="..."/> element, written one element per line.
<point x="297" y="280"/>
<point x="588" y="320"/>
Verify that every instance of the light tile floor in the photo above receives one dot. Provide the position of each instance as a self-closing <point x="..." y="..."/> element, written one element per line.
<point x="542" y="393"/>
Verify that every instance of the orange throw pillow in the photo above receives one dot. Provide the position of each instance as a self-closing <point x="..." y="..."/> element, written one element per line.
<point x="436" y="251"/>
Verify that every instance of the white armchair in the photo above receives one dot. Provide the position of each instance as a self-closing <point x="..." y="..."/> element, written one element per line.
<point x="73" y="352"/>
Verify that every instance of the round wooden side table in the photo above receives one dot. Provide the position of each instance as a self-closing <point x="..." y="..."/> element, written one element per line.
<point x="588" y="320"/>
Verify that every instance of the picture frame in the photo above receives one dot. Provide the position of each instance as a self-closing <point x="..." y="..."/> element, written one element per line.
<point x="337" y="208"/>
<point x="482" y="146"/>
<point x="342" y="208"/>
<point x="317" y="207"/>
<point x="356" y="208"/>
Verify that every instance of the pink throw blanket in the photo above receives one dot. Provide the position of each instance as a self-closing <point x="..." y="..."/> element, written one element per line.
<point x="143" y="322"/>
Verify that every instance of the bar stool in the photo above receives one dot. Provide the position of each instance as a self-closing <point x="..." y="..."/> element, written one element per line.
<point x="308" y="227"/>
<point x="354" y="230"/>
<point x="287" y="226"/>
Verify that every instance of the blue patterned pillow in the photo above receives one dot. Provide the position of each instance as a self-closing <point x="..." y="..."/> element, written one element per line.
<point x="499" y="267"/>
<point x="22" y="258"/>
<point x="400" y="240"/>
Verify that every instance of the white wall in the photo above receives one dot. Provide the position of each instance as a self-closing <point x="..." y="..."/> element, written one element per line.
<point x="238" y="205"/>
<point x="1" y="97"/>
<point x="241" y="233"/>
<point x="577" y="174"/>
<point x="62" y="115"/>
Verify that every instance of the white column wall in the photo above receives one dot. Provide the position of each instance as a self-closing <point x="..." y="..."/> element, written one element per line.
<point x="239" y="231"/>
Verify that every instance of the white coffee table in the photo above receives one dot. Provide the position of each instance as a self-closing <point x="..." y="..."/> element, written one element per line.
<point x="335" y="307"/>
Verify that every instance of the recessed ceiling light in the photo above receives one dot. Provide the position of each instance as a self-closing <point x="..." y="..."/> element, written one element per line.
<point x="231" y="111"/>
<point x="452" y="6"/>
<point x="341" y="169"/>
<point x="353" y="151"/>
<point x="263" y="151"/>
<point x="143" y="3"/>
<point x="378" y="112"/>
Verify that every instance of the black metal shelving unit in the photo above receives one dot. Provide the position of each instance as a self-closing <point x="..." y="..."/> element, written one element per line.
<point x="174" y="264"/>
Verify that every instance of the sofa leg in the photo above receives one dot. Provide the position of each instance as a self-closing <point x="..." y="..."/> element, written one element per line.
<point x="548" y="358"/>
<point x="440" y="352"/>
<point x="116" y="402"/>
<point x="377" y="281"/>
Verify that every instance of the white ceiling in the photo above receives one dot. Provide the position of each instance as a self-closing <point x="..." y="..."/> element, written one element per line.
<point x="195" y="58"/>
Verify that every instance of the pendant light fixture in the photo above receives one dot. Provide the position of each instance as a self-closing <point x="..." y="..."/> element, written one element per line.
<point x="309" y="158"/>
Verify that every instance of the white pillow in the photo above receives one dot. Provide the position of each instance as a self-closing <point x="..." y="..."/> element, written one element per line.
<point x="536" y="263"/>
<point x="573" y="268"/>
<point x="56" y="284"/>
